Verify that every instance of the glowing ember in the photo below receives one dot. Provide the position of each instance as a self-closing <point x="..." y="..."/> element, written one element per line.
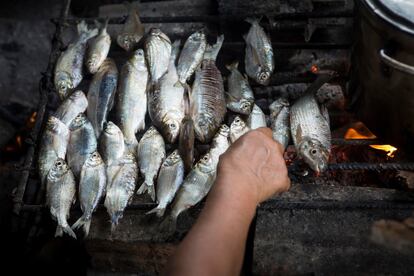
<point x="314" y="69"/>
<point x="32" y="118"/>
<point x="360" y="131"/>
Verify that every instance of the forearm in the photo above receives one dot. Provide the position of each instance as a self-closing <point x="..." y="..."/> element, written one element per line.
<point x="216" y="243"/>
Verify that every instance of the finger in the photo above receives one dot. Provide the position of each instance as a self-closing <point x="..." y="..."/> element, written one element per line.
<point x="265" y="130"/>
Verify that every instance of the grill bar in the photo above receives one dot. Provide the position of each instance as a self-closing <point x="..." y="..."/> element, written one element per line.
<point x="371" y="166"/>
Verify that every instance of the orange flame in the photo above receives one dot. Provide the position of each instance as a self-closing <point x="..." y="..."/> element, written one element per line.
<point x="360" y="131"/>
<point x="314" y="69"/>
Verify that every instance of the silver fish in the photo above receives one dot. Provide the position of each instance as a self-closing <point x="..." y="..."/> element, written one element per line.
<point x="311" y="133"/>
<point x="191" y="56"/>
<point x="101" y="94"/>
<point x="82" y="143"/>
<point x="132" y="97"/>
<point x="240" y="96"/>
<point x="237" y="128"/>
<point x="279" y="117"/>
<point x="158" y="52"/>
<point x="259" y="61"/>
<point x="75" y="104"/>
<point x="169" y="181"/>
<point x="112" y="146"/>
<point x="53" y="145"/>
<point x="151" y="153"/>
<point x="220" y="143"/>
<point x="196" y="186"/>
<point x="186" y="140"/>
<point x="208" y="105"/>
<point x="92" y="185"/>
<point x="60" y="192"/>
<point x="257" y="118"/>
<point x="121" y="190"/>
<point x="69" y="66"/>
<point x="98" y="49"/>
<point x="166" y="101"/>
<point x="132" y="31"/>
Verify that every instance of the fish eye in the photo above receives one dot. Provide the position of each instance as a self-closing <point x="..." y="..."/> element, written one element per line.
<point x="205" y="158"/>
<point x="172" y="126"/>
<point x="59" y="163"/>
<point x="313" y="151"/>
<point x="237" y="120"/>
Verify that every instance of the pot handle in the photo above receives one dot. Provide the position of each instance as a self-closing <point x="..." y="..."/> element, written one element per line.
<point x="396" y="64"/>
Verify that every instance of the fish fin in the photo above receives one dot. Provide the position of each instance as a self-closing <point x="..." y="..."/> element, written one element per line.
<point x="115" y="217"/>
<point x="245" y="37"/>
<point x="66" y="229"/>
<point x="178" y="84"/>
<point x="231" y="97"/>
<point x="83" y="222"/>
<point x="253" y="20"/>
<point x="142" y="189"/>
<point x="298" y="135"/>
<point x="85" y="32"/>
<point x="213" y="50"/>
<point x="159" y="211"/>
<point x="232" y="66"/>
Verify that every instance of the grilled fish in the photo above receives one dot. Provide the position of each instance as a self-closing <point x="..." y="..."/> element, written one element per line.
<point x="309" y="123"/>
<point x="208" y="105"/>
<point x="279" y="117"/>
<point x="98" y="49"/>
<point x="132" y="31"/>
<point x="151" y="153"/>
<point x="69" y="66"/>
<point x="112" y="146"/>
<point x="240" y="96"/>
<point x="82" y="143"/>
<point x="101" y="94"/>
<point x="132" y="97"/>
<point x="220" y="143"/>
<point x="186" y="141"/>
<point x="166" y="101"/>
<point x="237" y="128"/>
<point x="61" y="189"/>
<point x="92" y="185"/>
<point x="75" y="104"/>
<point x="258" y="61"/>
<point x="53" y="145"/>
<point x="191" y="56"/>
<point x="169" y="181"/>
<point x="257" y="118"/>
<point x="158" y="52"/>
<point x="196" y="186"/>
<point x="121" y="189"/>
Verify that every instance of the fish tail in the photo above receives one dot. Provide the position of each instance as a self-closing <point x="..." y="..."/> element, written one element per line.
<point x="168" y="225"/>
<point x="116" y="216"/>
<point x="253" y="20"/>
<point x="232" y="66"/>
<point x="83" y="222"/>
<point x="142" y="189"/>
<point x="159" y="211"/>
<point x="85" y="32"/>
<point x="65" y="228"/>
<point x="178" y="84"/>
<point x="213" y="50"/>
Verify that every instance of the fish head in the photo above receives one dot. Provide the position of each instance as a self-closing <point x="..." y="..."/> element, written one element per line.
<point x="78" y="122"/>
<point x="157" y="32"/>
<point x="58" y="169"/>
<point x="205" y="164"/>
<point x="79" y="99"/>
<point x="263" y="77"/>
<point x="63" y="83"/>
<point x="197" y="36"/>
<point x="55" y="125"/>
<point x="314" y="154"/>
<point x="224" y="130"/>
<point x="111" y="129"/>
<point x="277" y="105"/>
<point x="94" y="160"/>
<point x="237" y="126"/>
<point x="172" y="159"/>
<point x="246" y="106"/>
<point x="152" y="131"/>
<point x="171" y="130"/>
<point x="126" y="41"/>
<point x="138" y="60"/>
<point x="93" y="63"/>
<point x="204" y="128"/>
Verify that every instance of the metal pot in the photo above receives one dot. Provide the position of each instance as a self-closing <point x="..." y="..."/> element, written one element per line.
<point x="382" y="73"/>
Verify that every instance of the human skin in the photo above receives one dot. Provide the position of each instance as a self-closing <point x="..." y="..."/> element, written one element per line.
<point x="249" y="172"/>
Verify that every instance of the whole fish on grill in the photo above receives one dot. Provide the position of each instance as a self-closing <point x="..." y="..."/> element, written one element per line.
<point x="151" y="153"/>
<point x="60" y="195"/>
<point x="98" y="48"/>
<point x="186" y="140"/>
<point x="92" y="186"/>
<point x="69" y="66"/>
<point x="196" y="186"/>
<point x="237" y="128"/>
<point x="112" y="146"/>
<point x="166" y="101"/>
<point x="240" y="96"/>
<point x="158" y="52"/>
<point x="220" y="143"/>
<point x="309" y="123"/>
<point x="279" y="117"/>
<point x="257" y="118"/>
<point x="169" y="181"/>
<point x="101" y="94"/>
<point x="132" y="97"/>
<point x="71" y="107"/>
<point x="259" y="63"/>
<point x="132" y="31"/>
<point x="191" y="56"/>
<point x="208" y="105"/>
<point x="121" y="190"/>
<point x="53" y="145"/>
<point x="82" y="143"/>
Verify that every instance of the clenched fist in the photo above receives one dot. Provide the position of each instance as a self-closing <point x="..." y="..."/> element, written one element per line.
<point x="253" y="167"/>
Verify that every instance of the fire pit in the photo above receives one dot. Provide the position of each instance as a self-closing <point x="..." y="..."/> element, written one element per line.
<point x="322" y="225"/>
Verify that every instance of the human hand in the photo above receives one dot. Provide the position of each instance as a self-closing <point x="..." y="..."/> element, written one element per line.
<point x="253" y="167"/>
